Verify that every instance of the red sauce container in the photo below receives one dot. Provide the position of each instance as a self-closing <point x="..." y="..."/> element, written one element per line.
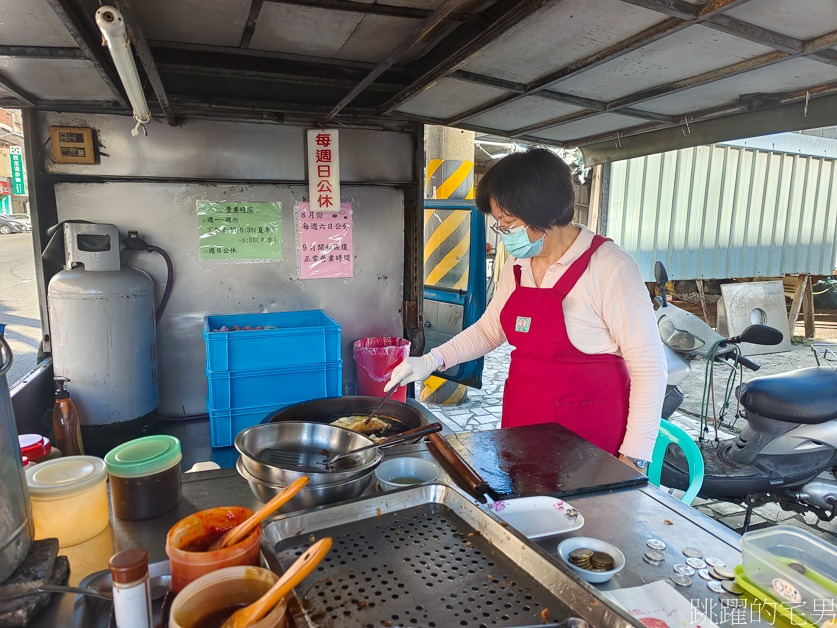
<point x="189" y="536"/>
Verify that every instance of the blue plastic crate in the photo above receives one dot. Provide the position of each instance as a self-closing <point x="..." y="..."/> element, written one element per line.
<point x="224" y="425"/>
<point x="242" y="389"/>
<point x="303" y="337"/>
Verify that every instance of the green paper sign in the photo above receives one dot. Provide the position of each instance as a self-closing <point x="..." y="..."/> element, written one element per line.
<point x="16" y="162"/>
<point x="240" y="231"/>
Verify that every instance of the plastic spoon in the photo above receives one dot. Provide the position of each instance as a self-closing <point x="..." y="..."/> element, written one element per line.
<point x="239" y="532"/>
<point x="295" y="574"/>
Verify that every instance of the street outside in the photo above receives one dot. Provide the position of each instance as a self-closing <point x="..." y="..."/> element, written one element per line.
<point x="19" y="302"/>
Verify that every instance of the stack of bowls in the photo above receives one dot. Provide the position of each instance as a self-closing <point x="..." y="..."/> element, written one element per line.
<point x="268" y="477"/>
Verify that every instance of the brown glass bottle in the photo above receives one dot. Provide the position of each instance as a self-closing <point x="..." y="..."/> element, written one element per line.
<point x="65" y="421"/>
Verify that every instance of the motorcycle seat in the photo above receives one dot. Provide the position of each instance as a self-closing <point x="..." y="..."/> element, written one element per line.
<point x="802" y="396"/>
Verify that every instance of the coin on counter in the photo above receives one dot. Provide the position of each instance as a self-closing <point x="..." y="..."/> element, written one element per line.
<point x="655" y="557"/>
<point x="684" y="570"/>
<point x="696" y="563"/>
<point x="581" y="554"/>
<point x="601" y="560"/>
<point x="798" y="568"/>
<point x="681" y="580"/>
<point x="704" y="573"/>
<point x="692" y="552"/>
<point x="715" y="586"/>
<point x="732" y="587"/>
<point x="721" y="573"/>
<point x="655" y="544"/>
<point x="714" y="561"/>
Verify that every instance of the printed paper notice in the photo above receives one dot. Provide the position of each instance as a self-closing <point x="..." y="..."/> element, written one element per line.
<point x="240" y="231"/>
<point x="325" y="242"/>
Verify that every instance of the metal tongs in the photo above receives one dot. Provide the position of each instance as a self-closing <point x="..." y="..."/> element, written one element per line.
<point x="326" y="460"/>
<point x="331" y="461"/>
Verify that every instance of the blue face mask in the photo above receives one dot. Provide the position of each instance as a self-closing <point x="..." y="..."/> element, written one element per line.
<point x="517" y="243"/>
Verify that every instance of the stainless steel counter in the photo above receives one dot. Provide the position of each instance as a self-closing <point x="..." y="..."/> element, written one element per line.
<point x="625" y="517"/>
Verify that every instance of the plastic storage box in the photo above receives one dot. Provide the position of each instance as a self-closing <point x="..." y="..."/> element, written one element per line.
<point x="273" y="387"/>
<point x="224" y="425"/>
<point x="292" y="338"/>
<point x="793" y="567"/>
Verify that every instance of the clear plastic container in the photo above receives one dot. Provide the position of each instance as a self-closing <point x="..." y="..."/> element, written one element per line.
<point x="794" y="567"/>
<point x="69" y="498"/>
<point x="188" y="539"/>
<point x="145" y="477"/>
<point x="210" y="598"/>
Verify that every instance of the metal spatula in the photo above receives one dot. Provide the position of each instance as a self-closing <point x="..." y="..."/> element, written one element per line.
<point x="319" y="461"/>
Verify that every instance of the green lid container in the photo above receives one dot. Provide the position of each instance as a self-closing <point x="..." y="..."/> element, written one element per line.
<point x="144" y="456"/>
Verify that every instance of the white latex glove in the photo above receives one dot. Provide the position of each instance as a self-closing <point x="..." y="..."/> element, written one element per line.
<point x="412" y="370"/>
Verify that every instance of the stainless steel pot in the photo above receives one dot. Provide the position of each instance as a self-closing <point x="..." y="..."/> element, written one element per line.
<point x="16" y="529"/>
<point x="310" y="495"/>
<point x="300" y="436"/>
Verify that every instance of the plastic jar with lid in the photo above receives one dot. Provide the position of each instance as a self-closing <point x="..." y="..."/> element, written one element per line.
<point x="37" y="448"/>
<point x="145" y="477"/>
<point x="69" y="498"/>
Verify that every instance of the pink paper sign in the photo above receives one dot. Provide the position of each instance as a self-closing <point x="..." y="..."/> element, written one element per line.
<point x="325" y="242"/>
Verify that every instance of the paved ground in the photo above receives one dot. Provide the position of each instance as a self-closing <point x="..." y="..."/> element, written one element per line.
<point x="483" y="409"/>
<point x="19" y="302"/>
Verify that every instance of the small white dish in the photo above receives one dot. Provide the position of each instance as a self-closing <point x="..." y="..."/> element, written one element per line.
<point x="405" y="471"/>
<point x="568" y="546"/>
<point x="539" y="516"/>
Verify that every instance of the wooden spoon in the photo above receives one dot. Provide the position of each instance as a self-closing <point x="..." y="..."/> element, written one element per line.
<point x="239" y="532"/>
<point x="295" y="574"/>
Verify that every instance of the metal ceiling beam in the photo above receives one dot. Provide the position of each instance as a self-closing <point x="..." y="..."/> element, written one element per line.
<point x="146" y="58"/>
<point x="466" y="41"/>
<point x="26" y="99"/>
<point x="696" y="15"/>
<point x="756" y="34"/>
<point x="788" y="117"/>
<point x="570" y="99"/>
<point x="748" y="65"/>
<point x="219" y="62"/>
<point x="67" y="12"/>
<point x="164" y="50"/>
<point x="428" y="24"/>
<point x="41" y="52"/>
<point x="250" y="25"/>
<point x="826" y="56"/>
<point x="378" y="9"/>
<point x="814" y="96"/>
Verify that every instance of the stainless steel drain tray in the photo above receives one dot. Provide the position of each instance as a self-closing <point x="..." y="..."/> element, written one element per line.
<point x="427" y="556"/>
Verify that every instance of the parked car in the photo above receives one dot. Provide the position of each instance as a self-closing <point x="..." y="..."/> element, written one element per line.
<point x="21" y="218"/>
<point x="10" y="225"/>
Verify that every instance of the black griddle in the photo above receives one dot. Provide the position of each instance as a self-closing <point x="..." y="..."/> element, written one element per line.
<point x="545" y="459"/>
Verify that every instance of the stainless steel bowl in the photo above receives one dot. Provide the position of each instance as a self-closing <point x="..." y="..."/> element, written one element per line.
<point x="300" y="436"/>
<point x="309" y="496"/>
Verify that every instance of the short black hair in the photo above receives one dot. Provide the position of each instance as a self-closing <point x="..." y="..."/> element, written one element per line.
<point x="535" y="186"/>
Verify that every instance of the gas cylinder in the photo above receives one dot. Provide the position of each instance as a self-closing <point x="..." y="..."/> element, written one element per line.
<point x="102" y="329"/>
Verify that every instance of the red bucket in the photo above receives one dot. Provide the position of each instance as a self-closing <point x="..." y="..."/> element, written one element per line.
<point x="375" y="359"/>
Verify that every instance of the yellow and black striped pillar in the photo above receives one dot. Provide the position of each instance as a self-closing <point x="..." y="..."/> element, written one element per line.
<point x="447" y="234"/>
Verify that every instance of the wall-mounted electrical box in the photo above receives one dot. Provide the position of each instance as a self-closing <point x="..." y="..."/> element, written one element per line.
<point x="72" y="145"/>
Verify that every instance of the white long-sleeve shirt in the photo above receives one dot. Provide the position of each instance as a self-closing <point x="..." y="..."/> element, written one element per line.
<point x="608" y="311"/>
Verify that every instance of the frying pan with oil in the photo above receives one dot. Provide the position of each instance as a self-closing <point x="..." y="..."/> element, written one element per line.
<point x="398" y="416"/>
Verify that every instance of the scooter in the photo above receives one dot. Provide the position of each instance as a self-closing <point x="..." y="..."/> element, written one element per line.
<point x="787" y="451"/>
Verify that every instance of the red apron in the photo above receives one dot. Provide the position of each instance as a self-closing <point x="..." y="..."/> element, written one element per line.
<point x="549" y="379"/>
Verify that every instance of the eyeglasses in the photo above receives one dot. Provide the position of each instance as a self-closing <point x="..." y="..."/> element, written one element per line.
<point x="500" y="229"/>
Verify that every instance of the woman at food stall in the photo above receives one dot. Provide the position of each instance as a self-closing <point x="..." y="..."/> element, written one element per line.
<point x="573" y="305"/>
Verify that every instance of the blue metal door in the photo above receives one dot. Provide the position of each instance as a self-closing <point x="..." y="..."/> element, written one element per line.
<point x="454" y="277"/>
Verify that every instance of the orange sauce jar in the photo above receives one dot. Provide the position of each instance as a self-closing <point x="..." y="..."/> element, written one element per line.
<point x="189" y="538"/>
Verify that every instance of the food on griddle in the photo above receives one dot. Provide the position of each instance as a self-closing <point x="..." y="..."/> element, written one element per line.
<point x="361" y="424"/>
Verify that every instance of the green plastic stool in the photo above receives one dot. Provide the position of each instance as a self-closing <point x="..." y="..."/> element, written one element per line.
<point x="670" y="433"/>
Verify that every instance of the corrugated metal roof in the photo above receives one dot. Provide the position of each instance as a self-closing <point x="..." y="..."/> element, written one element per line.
<point x="566" y="72"/>
<point x="716" y="212"/>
